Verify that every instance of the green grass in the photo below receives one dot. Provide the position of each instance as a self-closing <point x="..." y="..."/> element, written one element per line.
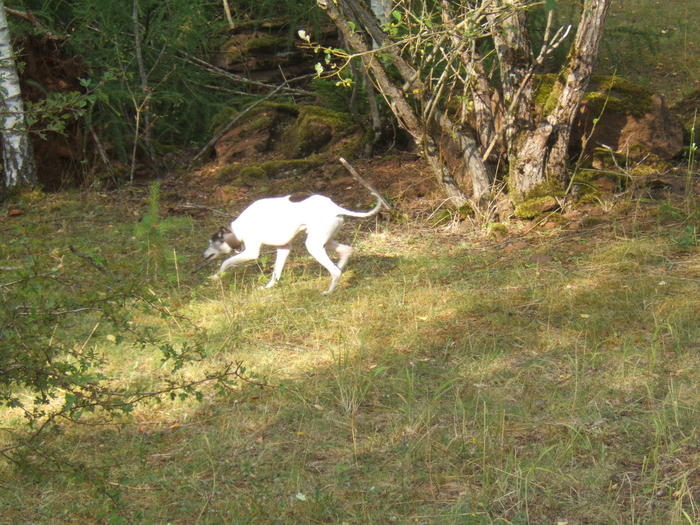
<point x="445" y="381"/>
<point x="654" y="44"/>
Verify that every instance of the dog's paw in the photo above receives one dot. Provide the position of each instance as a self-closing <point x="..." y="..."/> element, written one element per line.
<point x="214" y="277"/>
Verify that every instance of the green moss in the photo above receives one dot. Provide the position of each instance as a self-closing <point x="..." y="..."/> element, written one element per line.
<point x="282" y="107"/>
<point x="531" y="208"/>
<point x="545" y="93"/>
<point x="552" y="188"/>
<point x="333" y="118"/>
<point x="264" y="121"/>
<point x="498" y="229"/>
<point x="265" y="44"/>
<point x="618" y="95"/>
<point x="613" y="93"/>
<point x="228" y="173"/>
<point x="352" y="146"/>
<point x="252" y="173"/>
<point x="315" y="127"/>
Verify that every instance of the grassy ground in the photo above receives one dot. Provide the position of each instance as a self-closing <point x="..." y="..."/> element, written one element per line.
<point x="655" y="44"/>
<point x="552" y="378"/>
<point x="651" y="43"/>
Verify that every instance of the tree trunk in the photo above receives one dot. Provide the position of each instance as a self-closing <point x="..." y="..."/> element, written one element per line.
<point x="407" y="116"/>
<point x="17" y="153"/>
<point x="539" y="156"/>
<point x="484" y="118"/>
<point x="510" y="37"/>
<point x="142" y="107"/>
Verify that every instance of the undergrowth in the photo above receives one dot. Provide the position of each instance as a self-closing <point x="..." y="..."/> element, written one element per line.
<point x="443" y="382"/>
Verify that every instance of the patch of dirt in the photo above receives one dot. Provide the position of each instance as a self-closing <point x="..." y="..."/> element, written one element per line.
<point x="402" y="177"/>
<point x="678" y="480"/>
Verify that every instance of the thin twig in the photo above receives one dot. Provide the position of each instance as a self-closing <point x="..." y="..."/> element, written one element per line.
<point x="29" y="17"/>
<point x="189" y="205"/>
<point x="229" y="18"/>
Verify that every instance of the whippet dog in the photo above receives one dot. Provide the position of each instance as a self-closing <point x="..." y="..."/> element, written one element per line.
<point x="276" y="221"/>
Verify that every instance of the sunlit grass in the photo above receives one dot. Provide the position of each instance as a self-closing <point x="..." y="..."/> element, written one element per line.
<point x="443" y="382"/>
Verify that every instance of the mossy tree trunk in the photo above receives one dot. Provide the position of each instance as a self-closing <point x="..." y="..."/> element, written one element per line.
<point x="538" y="148"/>
<point x="430" y="70"/>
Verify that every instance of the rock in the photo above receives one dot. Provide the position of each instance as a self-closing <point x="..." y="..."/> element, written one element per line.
<point x="315" y="129"/>
<point x="256" y="133"/>
<point x="517" y="245"/>
<point x="504" y="207"/>
<point x="628" y="118"/>
<point x="342" y="182"/>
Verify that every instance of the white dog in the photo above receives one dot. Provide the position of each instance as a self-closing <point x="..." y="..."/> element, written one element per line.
<point x="276" y="221"/>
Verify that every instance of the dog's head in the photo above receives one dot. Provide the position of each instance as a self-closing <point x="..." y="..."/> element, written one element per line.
<point x="222" y="242"/>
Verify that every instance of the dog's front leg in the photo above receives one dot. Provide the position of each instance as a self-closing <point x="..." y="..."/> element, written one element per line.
<point x="249" y="254"/>
<point x="282" y="254"/>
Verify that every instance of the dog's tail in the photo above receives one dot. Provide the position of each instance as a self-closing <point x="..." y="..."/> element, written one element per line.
<point x="381" y="202"/>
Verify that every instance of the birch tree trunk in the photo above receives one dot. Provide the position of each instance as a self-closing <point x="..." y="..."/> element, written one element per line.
<point x="18" y="157"/>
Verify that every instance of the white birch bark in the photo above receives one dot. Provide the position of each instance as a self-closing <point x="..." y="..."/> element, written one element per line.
<point x="18" y="157"/>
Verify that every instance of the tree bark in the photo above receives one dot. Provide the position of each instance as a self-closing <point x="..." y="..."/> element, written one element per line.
<point x="484" y="117"/>
<point x="539" y="156"/>
<point x="18" y="156"/>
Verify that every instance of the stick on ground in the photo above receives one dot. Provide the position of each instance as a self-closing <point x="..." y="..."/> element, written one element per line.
<point x="366" y="184"/>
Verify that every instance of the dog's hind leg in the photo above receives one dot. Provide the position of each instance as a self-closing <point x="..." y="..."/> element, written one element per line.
<point x="343" y="250"/>
<point x="282" y="254"/>
<point x="318" y="252"/>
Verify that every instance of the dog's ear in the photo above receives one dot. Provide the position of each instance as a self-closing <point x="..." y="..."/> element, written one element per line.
<point x="223" y="230"/>
<point x="231" y="239"/>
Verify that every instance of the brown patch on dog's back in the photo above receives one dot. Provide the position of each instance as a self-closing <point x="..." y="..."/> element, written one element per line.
<point x="299" y="196"/>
